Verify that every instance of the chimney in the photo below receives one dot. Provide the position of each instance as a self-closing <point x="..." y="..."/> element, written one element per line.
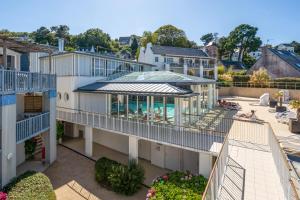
<point x="61" y="44"/>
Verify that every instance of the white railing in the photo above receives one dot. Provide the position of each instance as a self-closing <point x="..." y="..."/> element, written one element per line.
<point x="289" y="182"/>
<point x="190" y="138"/>
<point x="18" y="81"/>
<point x="261" y="135"/>
<point x="28" y="128"/>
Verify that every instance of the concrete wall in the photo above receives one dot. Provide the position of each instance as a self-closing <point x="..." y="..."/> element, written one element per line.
<point x="111" y="140"/>
<point x="254" y="92"/>
<point x="92" y="102"/>
<point x="20" y="153"/>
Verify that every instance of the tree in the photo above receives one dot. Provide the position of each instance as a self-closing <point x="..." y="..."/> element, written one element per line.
<point x="207" y="38"/>
<point x="248" y="60"/>
<point x="146" y="38"/>
<point x="169" y="35"/>
<point x="296" y="46"/>
<point x="260" y="76"/>
<point x="94" y="37"/>
<point x="244" y="38"/>
<point x="134" y="46"/>
<point x="61" y="31"/>
<point x="43" y="35"/>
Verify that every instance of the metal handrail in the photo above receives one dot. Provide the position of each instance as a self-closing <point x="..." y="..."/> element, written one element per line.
<point x="271" y="84"/>
<point x="12" y="81"/>
<point x="32" y="126"/>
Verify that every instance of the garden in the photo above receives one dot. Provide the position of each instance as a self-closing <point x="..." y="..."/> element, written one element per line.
<point x="177" y="186"/>
<point x="119" y="178"/>
<point x="29" y="186"/>
<point x="259" y="79"/>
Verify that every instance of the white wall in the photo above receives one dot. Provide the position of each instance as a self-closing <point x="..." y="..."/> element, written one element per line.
<point x="20" y="153"/>
<point x="20" y="106"/>
<point x="205" y="164"/>
<point x="92" y="102"/>
<point x="145" y="149"/>
<point x="172" y="158"/>
<point x="158" y="154"/>
<point x="16" y="55"/>
<point x="111" y="140"/>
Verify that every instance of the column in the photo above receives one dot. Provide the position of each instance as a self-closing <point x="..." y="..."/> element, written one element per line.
<point x="88" y="139"/>
<point x="152" y="108"/>
<point x="50" y="137"/>
<point x="167" y="67"/>
<point x="210" y="96"/>
<point x="4" y="56"/>
<point x="8" y="122"/>
<point x="205" y="164"/>
<point x="50" y="62"/>
<point x="148" y="107"/>
<point x="75" y="130"/>
<point x="185" y="68"/>
<point x="215" y="71"/>
<point x="215" y="95"/>
<point x="133" y="149"/>
<point x="201" y="69"/>
<point x="165" y="109"/>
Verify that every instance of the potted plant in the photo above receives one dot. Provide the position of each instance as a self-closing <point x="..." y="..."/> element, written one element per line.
<point x="294" y="124"/>
<point x="272" y="103"/>
<point x="59" y="131"/>
<point x="279" y="96"/>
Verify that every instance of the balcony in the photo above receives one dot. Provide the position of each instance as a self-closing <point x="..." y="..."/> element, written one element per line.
<point x="179" y="136"/>
<point x="30" y="127"/>
<point x="22" y="82"/>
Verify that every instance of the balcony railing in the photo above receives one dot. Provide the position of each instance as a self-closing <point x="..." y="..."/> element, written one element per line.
<point x="28" y="128"/>
<point x="18" y="81"/>
<point x="263" y="134"/>
<point x="278" y="85"/>
<point x="190" y="138"/>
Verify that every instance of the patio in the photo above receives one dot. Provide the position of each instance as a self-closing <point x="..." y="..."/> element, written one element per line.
<point x="72" y="177"/>
<point x="151" y="171"/>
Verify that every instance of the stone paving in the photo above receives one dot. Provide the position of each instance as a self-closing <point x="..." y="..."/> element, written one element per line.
<point x="72" y="176"/>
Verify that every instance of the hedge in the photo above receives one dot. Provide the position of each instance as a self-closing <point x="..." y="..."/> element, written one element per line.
<point x="240" y="78"/>
<point x="177" y="185"/>
<point x="287" y="79"/>
<point x="30" y="186"/>
<point x="120" y="178"/>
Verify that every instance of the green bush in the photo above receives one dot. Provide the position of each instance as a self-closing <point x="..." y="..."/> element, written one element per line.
<point x="240" y="78"/>
<point x="30" y="186"/>
<point x="103" y="168"/>
<point x="30" y="146"/>
<point x="178" y="185"/>
<point x="118" y="177"/>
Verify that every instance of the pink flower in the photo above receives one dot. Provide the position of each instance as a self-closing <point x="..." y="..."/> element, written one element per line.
<point x="3" y="196"/>
<point x="165" y="177"/>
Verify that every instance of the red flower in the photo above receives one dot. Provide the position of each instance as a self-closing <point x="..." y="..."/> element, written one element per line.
<point x="3" y="196"/>
<point x="165" y="177"/>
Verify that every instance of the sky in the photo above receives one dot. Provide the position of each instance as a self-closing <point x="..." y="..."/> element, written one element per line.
<point x="278" y="21"/>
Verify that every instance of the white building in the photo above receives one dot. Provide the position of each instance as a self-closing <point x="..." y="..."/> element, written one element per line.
<point x="141" y="114"/>
<point x="285" y="47"/>
<point x="255" y="54"/>
<point x="28" y="103"/>
<point x="180" y="60"/>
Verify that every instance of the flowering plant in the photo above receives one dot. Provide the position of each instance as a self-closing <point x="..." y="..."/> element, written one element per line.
<point x="3" y="196"/>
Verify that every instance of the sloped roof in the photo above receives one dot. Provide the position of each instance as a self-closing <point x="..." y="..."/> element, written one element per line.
<point x="160" y="77"/>
<point x="289" y="57"/>
<point x="124" y="40"/>
<point x="166" y="50"/>
<point x="131" y="88"/>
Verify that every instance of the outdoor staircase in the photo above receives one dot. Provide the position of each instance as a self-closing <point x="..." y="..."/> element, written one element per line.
<point x="38" y="149"/>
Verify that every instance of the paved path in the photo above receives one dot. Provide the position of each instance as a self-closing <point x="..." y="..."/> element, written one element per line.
<point x="72" y="176"/>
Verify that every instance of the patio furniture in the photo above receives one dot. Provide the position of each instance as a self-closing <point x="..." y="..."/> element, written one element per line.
<point x="294" y="126"/>
<point x="272" y="103"/>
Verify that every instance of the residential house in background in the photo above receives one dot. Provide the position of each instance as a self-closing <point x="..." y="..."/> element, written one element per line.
<point x="256" y="54"/>
<point x="211" y="49"/>
<point x="285" y="47"/>
<point x="180" y="60"/>
<point x="127" y="40"/>
<point x="278" y="63"/>
<point x="28" y="101"/>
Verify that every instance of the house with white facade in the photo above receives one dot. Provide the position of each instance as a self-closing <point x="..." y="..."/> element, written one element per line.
<point x="28" y="101"/>
<point x="180" y="60"/>
<point x="285" y="47"/>
<point x="132" y="108"/>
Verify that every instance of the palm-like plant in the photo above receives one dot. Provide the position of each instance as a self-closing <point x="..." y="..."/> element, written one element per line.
<point x="296" y="105"/>
<point x="279" y="95"/>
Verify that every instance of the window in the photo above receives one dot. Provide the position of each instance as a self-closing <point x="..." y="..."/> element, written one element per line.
<point x="169" y="60"/>
<point x="66" y="96"/>
<point x="58" y="95"/>
<point x="156" y="59"/>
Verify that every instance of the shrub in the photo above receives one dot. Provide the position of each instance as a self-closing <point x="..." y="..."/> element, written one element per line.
<point x="103" y="168"/>
<point x="118" y="177"/>
<point x="30" y="146"/>
<point x="30" y="186"/>
<point x="178" y="185"/>
<point x="240" y="78"/>
<point x="287" y="79"/>
<point x="221" y="70"/>
<point x="260" y="76"/>
<point x="59" y="130"/>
